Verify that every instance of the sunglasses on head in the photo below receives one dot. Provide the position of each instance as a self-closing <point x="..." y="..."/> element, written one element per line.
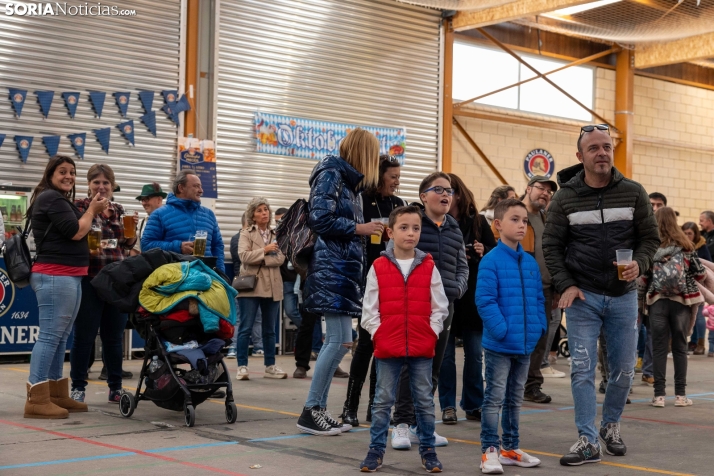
<point x="590" y="128"/>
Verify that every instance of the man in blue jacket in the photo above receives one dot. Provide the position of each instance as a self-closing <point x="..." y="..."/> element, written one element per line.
<point x="173" y="226"/>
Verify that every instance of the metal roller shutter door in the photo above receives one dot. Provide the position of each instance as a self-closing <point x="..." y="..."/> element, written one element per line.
<point x="372" y="62"/>
<point x="82" y="53"/>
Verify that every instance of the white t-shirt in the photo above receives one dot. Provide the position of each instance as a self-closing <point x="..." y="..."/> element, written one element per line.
<point x="370" y="303"/>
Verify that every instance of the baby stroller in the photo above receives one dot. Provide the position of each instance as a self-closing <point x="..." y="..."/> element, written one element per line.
<point x="170" y="386"/>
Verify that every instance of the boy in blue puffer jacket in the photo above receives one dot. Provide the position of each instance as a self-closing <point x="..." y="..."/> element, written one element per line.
<point x="509" y="297"/>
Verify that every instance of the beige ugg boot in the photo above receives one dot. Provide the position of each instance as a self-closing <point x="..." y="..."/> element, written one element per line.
<point x="59" y="395"/>
<point x="38" y="404"/>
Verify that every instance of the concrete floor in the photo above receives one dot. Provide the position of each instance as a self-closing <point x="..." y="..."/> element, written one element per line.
<point x="670" y="441"/>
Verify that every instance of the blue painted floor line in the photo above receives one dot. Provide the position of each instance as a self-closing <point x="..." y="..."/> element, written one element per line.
<point x="116" y="455"/>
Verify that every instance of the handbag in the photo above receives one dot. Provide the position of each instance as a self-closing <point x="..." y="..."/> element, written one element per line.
<point x="246" y="282"/>
<point x="18" y="261"/>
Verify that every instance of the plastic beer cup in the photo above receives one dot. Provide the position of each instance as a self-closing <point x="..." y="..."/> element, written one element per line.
<point x="624" y="257"/>
<point x="377" y="238"/>
<point x="199" y="243"/>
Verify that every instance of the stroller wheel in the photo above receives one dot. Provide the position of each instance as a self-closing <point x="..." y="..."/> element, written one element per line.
<point x="563" y="348"/>
<point x="189" y="415"/>
<point x="231" y="412"/>
<point x="126" y="405"/>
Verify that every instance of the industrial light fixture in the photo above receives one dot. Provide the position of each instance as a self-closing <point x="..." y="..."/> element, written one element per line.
<point x="579" y="8"/>
<point x="10" y="197"/>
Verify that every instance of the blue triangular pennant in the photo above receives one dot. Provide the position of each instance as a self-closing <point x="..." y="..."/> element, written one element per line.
<point x="78" y="141"/>
<point x="170" y="95"/>
<point x="149" y="120"/>
<point x="182" y="105"/>
<point x="103" y="137"/>
<point x="127" y="130"/>
<point x="97" y="99"/>
<point x="71" y="100"/>
<point x="45" y="100"/>
<point x="2" y="139"/>
<point x="169" y="110"/>
<point x="122" y="101"/>
<point x="24" y="143"/>
<point x="51" y="144"/>
<point x="147" y="100"/>
<point x="17" y="97"/>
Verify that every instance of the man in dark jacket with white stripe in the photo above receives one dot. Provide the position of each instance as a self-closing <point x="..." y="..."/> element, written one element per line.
<point x="596" y="212"/>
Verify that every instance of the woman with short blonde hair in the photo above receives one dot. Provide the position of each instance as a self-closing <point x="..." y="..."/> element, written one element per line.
<point x="333" y="287"/>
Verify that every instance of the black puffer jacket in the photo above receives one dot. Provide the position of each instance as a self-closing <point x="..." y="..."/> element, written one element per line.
<point x="585" y="226"/>
<point x="446" y="245"/>
<point x="335" y="274"/>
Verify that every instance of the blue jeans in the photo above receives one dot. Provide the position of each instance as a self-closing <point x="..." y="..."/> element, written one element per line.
<point x="248" y="310"/>
<point x="290" y="303"/>
<point x="472" y="389"/>
<point x="338" y="333"/>
<point x="506" y="377"/>
<point x="617" y="316"/>
<point x="700" y="327"/>
<point x="58" y="299"/>
<point x="96" y="315"/>
<point x="317" y="336"/>
<point x="388" y="372"/>
<point x="256" y="333"/>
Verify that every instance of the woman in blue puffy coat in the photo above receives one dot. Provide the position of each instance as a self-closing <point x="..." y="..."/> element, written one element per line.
<point x="335" y="275"/>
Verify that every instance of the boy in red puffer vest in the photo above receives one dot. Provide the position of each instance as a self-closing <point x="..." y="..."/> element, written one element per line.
<point x="403" y="309"/>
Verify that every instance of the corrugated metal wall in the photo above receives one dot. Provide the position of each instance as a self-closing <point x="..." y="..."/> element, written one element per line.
<point x="371" y="62"/>
<point x="82" y="53"/>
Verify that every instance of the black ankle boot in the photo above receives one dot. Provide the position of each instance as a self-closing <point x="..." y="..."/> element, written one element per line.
<point x="349" y="412"/>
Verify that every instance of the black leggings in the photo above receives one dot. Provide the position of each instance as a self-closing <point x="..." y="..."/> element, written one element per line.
<point x="669" y="319"/>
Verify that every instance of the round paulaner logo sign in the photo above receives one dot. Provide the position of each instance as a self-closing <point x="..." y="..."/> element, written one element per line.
<point x="7" y="293"/>
<point x="539" y="162"/>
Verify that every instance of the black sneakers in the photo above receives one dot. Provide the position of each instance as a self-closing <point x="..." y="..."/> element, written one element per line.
<point x="581" y="452"/>
<point x="610" y="436"/>
<point x="474" y="415"/>
<point x="372" y="462"/>
<point x="448" y="416"/>
<point x="430" y="462"/>
<point x="343" y="427"/>
<point x="535" y="395"/>
<point x="312" y="421"/>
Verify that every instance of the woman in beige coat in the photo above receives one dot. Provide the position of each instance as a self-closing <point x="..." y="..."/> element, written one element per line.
<point x="260" y="256"/>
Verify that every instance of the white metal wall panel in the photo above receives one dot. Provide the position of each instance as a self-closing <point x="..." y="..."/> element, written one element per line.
<point x="371" y="62"/>
<point x="82" y="53"/>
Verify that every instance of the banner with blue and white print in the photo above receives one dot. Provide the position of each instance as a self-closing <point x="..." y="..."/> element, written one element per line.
<point x="310" y="139"/>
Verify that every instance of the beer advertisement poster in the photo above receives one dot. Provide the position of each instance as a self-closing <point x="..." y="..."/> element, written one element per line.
<point x="200" y="156"/>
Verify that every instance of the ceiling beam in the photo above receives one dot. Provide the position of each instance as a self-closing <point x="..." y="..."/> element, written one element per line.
<point x="678" y="51"/>
<point x="465" y="20"/>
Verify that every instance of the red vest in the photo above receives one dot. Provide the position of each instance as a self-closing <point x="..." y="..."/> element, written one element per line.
<point x="404" y="308"/>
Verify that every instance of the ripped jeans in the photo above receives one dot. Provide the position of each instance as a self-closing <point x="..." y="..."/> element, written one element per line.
<point x="617" y="317"/>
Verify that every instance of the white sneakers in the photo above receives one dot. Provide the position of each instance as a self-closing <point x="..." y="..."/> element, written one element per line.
<point x="490" y="463"/>
<point x="403" y="437"/>
<point x="679" y="401"/>
<point x="400" y="437"/>
<point x="550" y="372"/>
<point x="273" y="371"/>
<point x="517" y="458"/>
<point x="682" y="401"/>
<point x="438" y="440"/>
<point x="242" y="373"/>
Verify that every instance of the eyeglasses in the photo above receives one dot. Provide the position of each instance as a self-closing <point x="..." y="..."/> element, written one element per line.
<point x="543" y="189"/>
<point x="590" y="128"/>
<point x="439" y="190"/>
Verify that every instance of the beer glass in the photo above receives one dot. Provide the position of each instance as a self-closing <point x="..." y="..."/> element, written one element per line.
<point x="129" y="226"/>
<point x="199" y="243"/>
<point x="94" y="237"/>
<point x="624" y="257"/>
<point x="378" y="237"/>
